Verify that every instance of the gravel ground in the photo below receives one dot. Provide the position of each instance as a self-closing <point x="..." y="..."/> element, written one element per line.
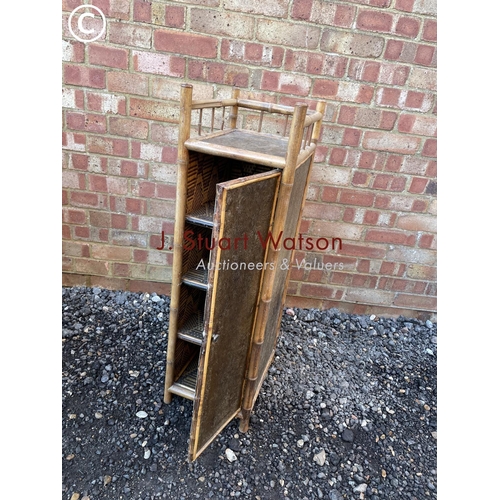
<point x="348" y="410"/>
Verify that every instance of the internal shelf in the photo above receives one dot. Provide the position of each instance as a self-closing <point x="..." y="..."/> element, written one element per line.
<point x="202" y="216"/>
<point x="192" y="329"/>
<point x="197" y="277"/>
<point x="185" y="386"/>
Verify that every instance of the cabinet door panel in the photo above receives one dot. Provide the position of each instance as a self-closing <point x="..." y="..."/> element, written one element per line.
<point x="243" y="208"/>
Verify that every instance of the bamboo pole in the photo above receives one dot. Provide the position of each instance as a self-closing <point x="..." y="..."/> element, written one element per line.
<point x="287" y="178"/>
<point x="320" y="107"/>
<point x="213" y="103"/>
<point x="180" y="213"/>
<point x="234" y="109"/>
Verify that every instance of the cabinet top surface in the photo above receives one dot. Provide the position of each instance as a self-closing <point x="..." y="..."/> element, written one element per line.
<point x="243" y="144"/>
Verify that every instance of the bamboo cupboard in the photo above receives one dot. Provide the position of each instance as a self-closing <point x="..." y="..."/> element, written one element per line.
<point x="238" y="184"/>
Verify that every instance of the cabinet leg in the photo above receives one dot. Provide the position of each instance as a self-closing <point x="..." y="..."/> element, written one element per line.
<point x="245" y="421"/>
<point x="167" y="397"/>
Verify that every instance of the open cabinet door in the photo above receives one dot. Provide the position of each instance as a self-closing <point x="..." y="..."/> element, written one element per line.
<point x="244" y="209"/>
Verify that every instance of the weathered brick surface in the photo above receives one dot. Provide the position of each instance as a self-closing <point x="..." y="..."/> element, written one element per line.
<point x="373" y="183"/>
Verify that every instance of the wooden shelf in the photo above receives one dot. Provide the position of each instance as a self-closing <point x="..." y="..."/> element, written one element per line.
<point x="197" y="278"/>
<point x="202" y="216"/>
<point x="185" y="386"/>
<point x="192" y="329"/>
<point x="265" y="149"/>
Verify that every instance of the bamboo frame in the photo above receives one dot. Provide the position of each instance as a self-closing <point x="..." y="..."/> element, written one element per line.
<point x="180" y="212"/>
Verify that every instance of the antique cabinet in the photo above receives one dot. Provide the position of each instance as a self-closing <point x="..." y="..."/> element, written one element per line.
<point x="240" y="194"/>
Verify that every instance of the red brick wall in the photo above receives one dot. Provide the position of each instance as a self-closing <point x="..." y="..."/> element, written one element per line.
<point x="374" y="180"/>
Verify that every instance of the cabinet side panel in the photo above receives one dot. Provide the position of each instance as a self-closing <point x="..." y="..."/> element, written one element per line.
<point x="245" y="209"/>
<point x="275" y="306"/>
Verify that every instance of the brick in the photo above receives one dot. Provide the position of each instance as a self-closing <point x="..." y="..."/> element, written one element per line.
<point x="302" y="9"/>
<point x="430" y="30"/>
<point x="371" y="20"/>
<point x="146" y="151"/>
<point x="425" y="7"/>
<point x="84" y="76"/>
<point x="74" y="216"/>
<point x="152" y="110"/>
<point x="87" y="266"/>
<point x="133" y="35"/>
<point x="418" y="185"/>
<point x="352" y="44"/>
<point x="333" y="65"/>
<point x="278" y="8"/>
<point x="430" y="148"/>
<point x="117" y="185"/>
<point x="98" y="183"/>
<point x="72" y="98"/>
<point x="185" y="43"/>
<point x="119" y="9"/>
<point x="128" y="127"/>
<point x="393" y="49"/>
<point x="174" y="16"/>
<point x="408" y="26"/>
<point x="84" y="199"/>
<point x="342" y="91"/>
<point x="86" y="121"/>
<point x="108" y="56"/>
<point x="164" y="133"/>
<point x="160" y="64"/>
<point x="73" y="180"/>
<point x="316" y="291"/>
<point x="378" y="297"/>
<point x="389" y="182"/>
<point x="75" y="249"/>
<point x="351" y="137"/>
<point x="106" y="103"/>
<point x="423" y="78"/>
<point x="74" y="142"/>
<point x="290" y="34"/>
<point x="222" y="23"/>
<point x="219" y="73"/>
<point x="321" y="211"/>
<point x="254" y="53"/>
<point x="73" y="51"/>
<point x="81" y="232"/>
<point x="425" y="55"/>
<point x="128" y="83"/>
<point x="367" y="117"/>
<point x="421" y="272"/>
<point x="142" y="11"/>
<point x="344" y="16"/>
<point x="333" y="229"/>
<point x="79" y="162"/>
<point x="286" y="83"/>
<point x="99" y="218"/>
<point x="427" y="241"/>
<point x="417" y="124"/>
<point x="390" y="236"/>
<point x="312" y="63"/>
<point x="107" y="146"/>
<point x="386" y="141"/>
<point x="105" y="252"/>
<point x="405" y="5"/>
<point x="354" y="197"/>
<point x="425" y="223"/>
<point x="416" y="301"/>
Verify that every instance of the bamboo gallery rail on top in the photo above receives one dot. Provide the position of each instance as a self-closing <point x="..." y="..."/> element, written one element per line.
<point x="223" y="328"/>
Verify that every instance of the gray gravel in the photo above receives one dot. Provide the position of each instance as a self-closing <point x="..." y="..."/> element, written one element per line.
<point x="348" y="410"/>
